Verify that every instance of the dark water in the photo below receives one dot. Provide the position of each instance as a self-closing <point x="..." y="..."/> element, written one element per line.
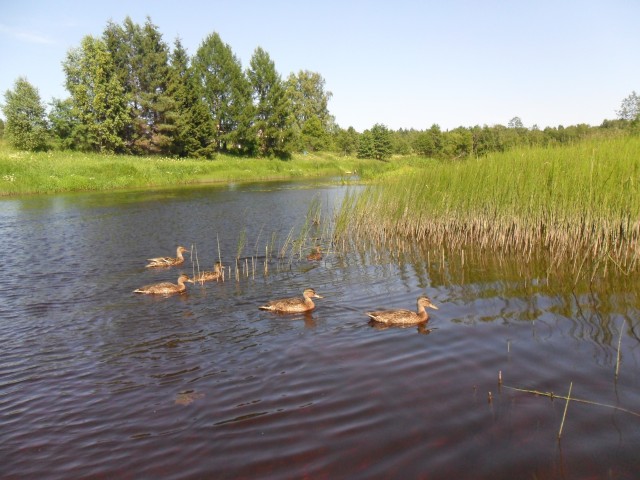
<point x="96" y="382"/>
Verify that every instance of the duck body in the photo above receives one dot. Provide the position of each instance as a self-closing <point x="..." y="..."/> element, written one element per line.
<point x="293" y="305"/>
<point x="165" y="288"/>
<point x="404" y="317"/>
<point x="167" y="261"/>
<point x="207" y="276"/>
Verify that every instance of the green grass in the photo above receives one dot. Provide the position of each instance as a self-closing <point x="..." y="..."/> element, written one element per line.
<point x="577" y="203"/>
<point x="55" y="171"/>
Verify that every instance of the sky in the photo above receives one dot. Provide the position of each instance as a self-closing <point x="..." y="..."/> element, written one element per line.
<point x="402" y="63"/>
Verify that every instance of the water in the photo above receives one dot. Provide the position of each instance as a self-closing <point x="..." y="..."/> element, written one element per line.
<point x="97" y="382"/>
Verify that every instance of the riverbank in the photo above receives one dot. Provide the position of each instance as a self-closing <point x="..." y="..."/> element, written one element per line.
<point x="57" y="172"/>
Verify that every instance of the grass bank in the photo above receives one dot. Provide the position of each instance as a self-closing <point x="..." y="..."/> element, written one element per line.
<point x="577" y="204"/>
<point x="53" y="172"/>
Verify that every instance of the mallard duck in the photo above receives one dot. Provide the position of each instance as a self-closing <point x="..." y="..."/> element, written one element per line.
<point x="167" y="261"/>
<point x="316" y="254"/>
<point x="207" y="276"/>
<point x="404" y="317"/>
<point x="293" y="305"/>
<point x="165" y="288"/>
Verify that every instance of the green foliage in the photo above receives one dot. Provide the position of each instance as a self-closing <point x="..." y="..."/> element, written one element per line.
<point x="97" y="96"/>
<point x="227" y="94"/>
<point x="26" y="127"/>
<point x="272" y="121"/>
<point x="376" y="143"/>
<point x="309" y="104"/>
<point x="193" y="133"/>
<point x="141" y="59"/>
<point x="630" y="107"/>
<point x="347" y="141"/>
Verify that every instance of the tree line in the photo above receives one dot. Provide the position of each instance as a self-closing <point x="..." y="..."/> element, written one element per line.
<point x="129" y="92"/>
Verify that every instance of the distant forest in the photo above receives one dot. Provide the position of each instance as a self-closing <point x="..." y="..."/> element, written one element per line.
<point x="130" y="93"/>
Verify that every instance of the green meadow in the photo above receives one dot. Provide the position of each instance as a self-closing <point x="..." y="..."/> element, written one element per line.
<point x="56" y="171"/>
<point x="577" y="204"/>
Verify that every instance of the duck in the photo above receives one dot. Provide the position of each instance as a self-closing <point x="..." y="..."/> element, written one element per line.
<point x="168" y="261"/>
<point x="293" y="305"/>
<point x="207" y="276"/>
<point x="316" y="254"/>
<point x="165" y="288"/>
<point x="404" y="317"/>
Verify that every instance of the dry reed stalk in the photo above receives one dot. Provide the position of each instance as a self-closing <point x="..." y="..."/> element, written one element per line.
<point x="552" y="396"/>
<point x="564" y="415"/>
<point x="619" y="344"/>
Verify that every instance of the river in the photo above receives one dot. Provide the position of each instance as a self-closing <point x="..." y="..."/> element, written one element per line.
<point x="99" y="382"/>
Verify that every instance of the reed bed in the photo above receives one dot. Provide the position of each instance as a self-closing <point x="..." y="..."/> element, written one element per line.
<point x="577" y="205"/>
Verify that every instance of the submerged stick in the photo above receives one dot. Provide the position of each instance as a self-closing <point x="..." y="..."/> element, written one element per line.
<point x="564" y="415"/>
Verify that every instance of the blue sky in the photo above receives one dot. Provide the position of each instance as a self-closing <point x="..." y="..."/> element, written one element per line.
<point x="406" y="64"/>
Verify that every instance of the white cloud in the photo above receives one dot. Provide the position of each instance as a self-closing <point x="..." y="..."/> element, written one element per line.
<point x="25" y="36"/>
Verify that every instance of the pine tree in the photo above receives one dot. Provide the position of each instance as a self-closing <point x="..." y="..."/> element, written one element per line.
<point x="26" y="127"/>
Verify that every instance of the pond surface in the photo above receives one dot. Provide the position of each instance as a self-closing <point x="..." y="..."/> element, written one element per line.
<point x="98" y="382"/>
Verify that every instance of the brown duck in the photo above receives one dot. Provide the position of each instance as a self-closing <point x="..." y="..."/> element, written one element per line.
<point x="165" y="288"/>
<point x="293" y="305"/>
<point x="206" y="276"/>
<point x="404" y="317"/>
<point x="168" y="261"/>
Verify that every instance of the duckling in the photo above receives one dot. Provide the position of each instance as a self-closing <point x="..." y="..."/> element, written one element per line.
<point x="316" y="254"/>
<point x="206" y="276"/>
<point x="167" y="261"/>
<point x="165" y="288"/>
<point x="404" y="317"/>
<point x="293" y="305"/>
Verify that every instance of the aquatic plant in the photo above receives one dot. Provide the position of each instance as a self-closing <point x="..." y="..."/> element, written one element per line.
<point x="578" y="204"/>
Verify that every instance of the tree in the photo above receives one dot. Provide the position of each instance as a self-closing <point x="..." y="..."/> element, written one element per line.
<point x="630" y="107"/>
<point x="347" y="141"/>
<point x="26" y="127"/>
<point x="515" y="122"/>
<point x="309" y="101"/>
<point x="97" y="96"/>
<point x="141" y="60"/>
<point x="193" y="133"/>
<point x="64" y="124"/>
<point x="226" y="92"/>
<point x="376" y="143"/>
<point x="272" y="121"/>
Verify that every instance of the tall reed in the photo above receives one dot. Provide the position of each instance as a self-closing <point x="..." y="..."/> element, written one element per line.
<point x="573" y="204"/>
